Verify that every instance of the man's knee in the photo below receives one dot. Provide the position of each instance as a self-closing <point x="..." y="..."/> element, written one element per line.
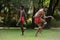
<point x="45" y="22"/>
<point x="40" y="27"/>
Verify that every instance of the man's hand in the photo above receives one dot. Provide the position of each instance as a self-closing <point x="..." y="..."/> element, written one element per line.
<point x="52" y="17"/>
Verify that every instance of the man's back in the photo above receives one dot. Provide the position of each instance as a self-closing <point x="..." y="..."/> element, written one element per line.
<point x="39" y="13"/>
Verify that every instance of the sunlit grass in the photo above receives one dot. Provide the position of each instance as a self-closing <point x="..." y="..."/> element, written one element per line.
<point x="30" y="35"/>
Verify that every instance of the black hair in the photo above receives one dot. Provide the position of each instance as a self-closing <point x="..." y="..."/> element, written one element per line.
<point x="22" y="6"/>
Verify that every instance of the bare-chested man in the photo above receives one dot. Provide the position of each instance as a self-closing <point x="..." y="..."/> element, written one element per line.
<point x="39" y="18"/>
<point x="21" y="18"/>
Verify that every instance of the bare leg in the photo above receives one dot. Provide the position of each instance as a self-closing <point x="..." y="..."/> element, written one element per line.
<point x="38" y="30"/>
<point x="39" y="26"/>
<point x="44" y="24"/>
<point x="22" y="30"/>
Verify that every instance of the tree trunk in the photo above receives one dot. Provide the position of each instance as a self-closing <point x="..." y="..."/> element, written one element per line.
<point x="49" y="12"/>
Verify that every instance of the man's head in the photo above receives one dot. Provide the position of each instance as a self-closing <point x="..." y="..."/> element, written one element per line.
<point x="45" y="8"/>
<point x="21" y="7"/>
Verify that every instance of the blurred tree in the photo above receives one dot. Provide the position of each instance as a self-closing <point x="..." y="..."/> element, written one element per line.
<point x="7" y="9"/>
<point x="53" y="4"/>
<point x="10" y="8"/>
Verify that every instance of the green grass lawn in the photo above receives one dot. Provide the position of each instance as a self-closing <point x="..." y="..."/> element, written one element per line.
<point x="52" y="34"/>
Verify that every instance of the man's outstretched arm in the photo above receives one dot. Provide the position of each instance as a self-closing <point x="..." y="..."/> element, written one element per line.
<point x="48" y="17"/>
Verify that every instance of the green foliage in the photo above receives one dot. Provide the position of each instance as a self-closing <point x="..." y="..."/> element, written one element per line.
<point x="12" y="23"/>
<point x="29" y="21"/>
<point x="55" y="23"/>
<point x="17" y="3"/>
<point x="46" y="3"/>
<point x="8" y="7"/>
<point x="56" y="14"/>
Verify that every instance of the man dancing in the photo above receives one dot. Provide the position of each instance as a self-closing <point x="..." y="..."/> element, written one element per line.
<point x="39" y="18"/>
